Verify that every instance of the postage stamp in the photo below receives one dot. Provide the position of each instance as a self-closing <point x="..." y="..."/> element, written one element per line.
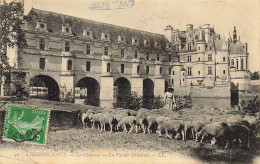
<point x="26" y="124"/>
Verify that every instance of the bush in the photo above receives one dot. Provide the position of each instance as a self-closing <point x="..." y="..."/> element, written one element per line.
<point x="92" y="101"/>
<point x="251" y="105"/>
<point x="152" y="102"/>
<point x="128" y="101"/>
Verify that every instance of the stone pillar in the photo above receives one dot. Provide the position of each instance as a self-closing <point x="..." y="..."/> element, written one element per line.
<point x="107" y="91"/>
<point x="137" y="85"/>
<point x="67" y="86"/>
<point x="159" y="86"/>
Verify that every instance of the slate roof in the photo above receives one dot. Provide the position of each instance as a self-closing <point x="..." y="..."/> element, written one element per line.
<point x="237" y="47"/>
<point x="55" y="21"/>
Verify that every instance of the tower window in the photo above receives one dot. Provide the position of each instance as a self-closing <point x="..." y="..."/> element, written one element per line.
<point x="136" y="54"/>
<point x="88" y="49"/>
<point x="161" y="70"/>
<point x="158" y="57"/>
<point x="209" y="70"/>
<point x="69" y="65"/>
<point x="147" y="56"/>
<point x="138" y="69"/>
<point x="108" y="67"/>
<point x="242" y="64"/>
<point x="209" y="57"/>
<point x="189" y="71"/>
<point x="172" y="81"/>
<point x="170" y="58"/>
<point x="147" y="70"/>
<point x="232" y="61"/>
<point x="67" y="46"/>
<point x="42" y="45"/>
<point x="122" y="68"/>
<point x="170" y="70"/>
<point x="189" y="58"/>
<point x="122" y="53"/>
<point x="42" y="63"/>
<point x="88" y="66"/>
<point x="106" y="51"/>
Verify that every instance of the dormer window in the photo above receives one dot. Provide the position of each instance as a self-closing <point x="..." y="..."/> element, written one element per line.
<point x="105" y="36"/>
<point x="146" y="43"/>
<point x="121" y="39"/>
<point x="87" y="34"/>
<point x="157" y="44"/>
<point x="41" y="26"/>
<point x="135" y="41"/>
<point x="66" y="30"/>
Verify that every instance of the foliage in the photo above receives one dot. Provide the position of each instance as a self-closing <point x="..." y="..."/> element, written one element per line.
<point x="11" y="32"/>
<point x="66" y="95"/>
<point x="255" y="76"/>
<point x="152" y="102"/>
<point x="92" y="101"/>
<point x="128" y="101"/>
<point x="250" y="105"/>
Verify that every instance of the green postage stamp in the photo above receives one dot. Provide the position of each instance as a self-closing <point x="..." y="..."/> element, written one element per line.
<point x="26" y="124"/>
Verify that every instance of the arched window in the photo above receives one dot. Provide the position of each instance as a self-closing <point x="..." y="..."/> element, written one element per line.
<point x="138" y="69"/>
<point x="160" y="70"/>
<point x="232" y="62"/>
<point x="69" y="65"/>
<point x="242" y="64"/>
<point x="108" y="67"/>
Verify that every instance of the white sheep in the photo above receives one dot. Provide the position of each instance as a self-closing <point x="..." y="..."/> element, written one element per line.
<point x="128" y="120"/>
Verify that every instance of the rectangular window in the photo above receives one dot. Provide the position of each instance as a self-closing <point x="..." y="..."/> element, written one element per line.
<point x="209" y="70"/>
<point x="189" y="58"/>
<point x="199" y="72"/>
<point x="209" y="57"/>
<point x="170" y="70"/>
<point x="224" y="72"/>
<point x="122" y="68"/>
<point x="189" y="71"/>
<point x="88" y="66"/>
<point x="147" y="56"/>
<point x="170" y="58"/>
<point x="224" y="59"/>
<point x="67" y="46"/>
<point x="147" y="70"/>
<point x="88" y="49"/>
<point x="42" y="45"/>
<point x="106" y="51"/>
<point x="136" y="54"/>
<point x="122" y="53"/>
<point x="158" y="57"/>
<point x="178" y="58"/>
<point x="42" y="63"/>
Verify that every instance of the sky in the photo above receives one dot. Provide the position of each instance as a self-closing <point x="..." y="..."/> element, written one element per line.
<point x="154" y="15"/>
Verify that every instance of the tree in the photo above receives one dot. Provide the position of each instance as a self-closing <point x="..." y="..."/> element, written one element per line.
<point x="11" y="34"/>
<point x="255" y="76"/>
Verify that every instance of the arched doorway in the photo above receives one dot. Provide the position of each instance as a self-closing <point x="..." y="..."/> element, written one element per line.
<point x="89" y="89"/>
<point x="148" y="88"/>
<point x="122" y="86"/>
<point x="43" y="86"/>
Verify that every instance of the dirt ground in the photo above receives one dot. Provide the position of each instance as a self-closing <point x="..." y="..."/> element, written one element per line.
<point x="76" y="139"/>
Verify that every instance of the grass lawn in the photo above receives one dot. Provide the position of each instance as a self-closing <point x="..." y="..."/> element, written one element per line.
<point x="76" y="139"/>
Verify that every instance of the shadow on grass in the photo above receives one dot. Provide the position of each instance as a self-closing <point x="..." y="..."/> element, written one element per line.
<point x="213" y="154"/>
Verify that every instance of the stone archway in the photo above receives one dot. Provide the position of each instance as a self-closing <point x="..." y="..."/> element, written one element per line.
<point x="43" y="86"/>
<point x="122" y="86"/>
<point x="148" y="88"/>
<point x="88" y="88"/>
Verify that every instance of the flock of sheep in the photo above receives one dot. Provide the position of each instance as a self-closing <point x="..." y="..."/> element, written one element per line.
<point x="224" y="128"/>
